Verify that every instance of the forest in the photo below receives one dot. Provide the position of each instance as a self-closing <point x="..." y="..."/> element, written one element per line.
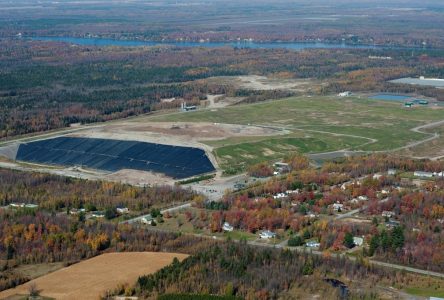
<point x="54" y="193"/>
<point x="238" y="270"/>
<point x="49" y="85"/>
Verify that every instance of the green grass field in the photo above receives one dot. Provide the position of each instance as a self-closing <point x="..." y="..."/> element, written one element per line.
<point x="361" y="124"/>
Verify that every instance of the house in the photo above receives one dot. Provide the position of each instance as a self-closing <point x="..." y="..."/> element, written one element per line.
<point x="185" y="107"/>
<point x="282" y="167"/>
<point x="338" y="206"/>
<point x="388" y="214"/>
<point x="289" y="192"/>
<point x="31" y="206"/>
<point x="23" y="205"/>
<point x="75" y="211"/>
<point x="362" y="198"/>
<point x="377" y="176"/>
<point x="391" y="172"/>
<point x="97" y="214"/>
<point x="313" y="244"/>
<point x="122" y="210"/>
<point x="423" y="174"/>
<point x="227" y="227"/>
<point x="267" y="234"/>
<point x="146" y="220"/>
<point x="279" y="196"/>
<point x="392" y="224"/>
<point x="345" y="94"/>
<point x="385" y="192"/>
<point x="358" y="241"/>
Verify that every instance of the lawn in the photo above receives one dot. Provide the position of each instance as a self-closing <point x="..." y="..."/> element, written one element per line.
<point x="360" y="124"/>
<point x="426" y="292"/>
<point x="238" y="156"/>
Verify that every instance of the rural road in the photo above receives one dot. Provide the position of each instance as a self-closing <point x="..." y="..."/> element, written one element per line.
<point x="169" y="210"/>
<point x="355" y="211"/>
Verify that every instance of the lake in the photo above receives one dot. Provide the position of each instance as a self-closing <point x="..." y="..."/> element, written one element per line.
<point x="249" y="45"/>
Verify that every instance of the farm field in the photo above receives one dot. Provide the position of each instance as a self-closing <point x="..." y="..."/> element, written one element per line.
<point x="91" y="278"/>
<point x="317" y="124"/>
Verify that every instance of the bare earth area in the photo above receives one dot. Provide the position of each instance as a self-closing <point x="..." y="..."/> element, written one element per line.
<point x="263" y="83"/>
<point x="179" y="133"/>
<point x="91" y="278"/>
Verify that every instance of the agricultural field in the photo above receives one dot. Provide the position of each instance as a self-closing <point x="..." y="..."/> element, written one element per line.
<point x="315" y="124"/>
<point x="91" y="278"/>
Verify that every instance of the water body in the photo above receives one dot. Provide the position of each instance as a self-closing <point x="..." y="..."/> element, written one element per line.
<point x="248" y="45"/>
<point x="391" y="97"/>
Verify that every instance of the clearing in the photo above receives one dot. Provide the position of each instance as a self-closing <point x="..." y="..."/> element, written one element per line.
<point x="91" y="278"/>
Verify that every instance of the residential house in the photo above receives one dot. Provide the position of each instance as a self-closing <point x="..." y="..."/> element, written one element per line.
<point x="122" y="210"/>
<point x="338" y="206"/>
<point x="227" y="227"/>
<point x="146" y="220"/>
<point x="313" y="244"/>
<point x="267" y="234"/>
<point x="358" y="241"/>
<point x="388" y="214"/>
<point x="423" y="174"/>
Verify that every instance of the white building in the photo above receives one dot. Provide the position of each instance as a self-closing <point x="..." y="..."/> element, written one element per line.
<point x="388" y="214"/>
<point x="267" y="234"/>
<point x="391" y="172"/>
<point x="358" y="241"/>
<point x="227" y="227"/>
<point x="313" y="244"/>
<point x="362" y="198"/>
<point x="279" y="196"/>
<point x="345" y="94"/>
<point x="122" y="210"/>
<point x="423" y="174"/>
<point x="146" y="220"/>
<point x="338" y="206"/>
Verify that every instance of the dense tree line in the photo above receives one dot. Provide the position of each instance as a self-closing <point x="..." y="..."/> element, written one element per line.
<point x="253" y="273"/>
<point x="53" y="192"/>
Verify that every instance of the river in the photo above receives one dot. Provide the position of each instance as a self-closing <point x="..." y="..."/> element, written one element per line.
<point x="250" y="45"/>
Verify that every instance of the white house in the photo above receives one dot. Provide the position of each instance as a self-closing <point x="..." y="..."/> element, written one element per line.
<point x="227" y="227"/>
<point x="313" y="244"/>
<point x="362" y="198"/>
<point x="122" y="210"/>
<point x="146" y="220"/>
<point x="338" y="206"/>
<point x="377" y="176"/>
<point x="267" y="234"/>
<point x="391" y="172"/>
<point x="279" y="196"/>
<point x="423" y="174"/>
<point x="75" y="211"/>
<point x="388" y="214"/>
<point x="358" y="241"/>
<point x="345" y="94"/>
<point x="97" y="214"/>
